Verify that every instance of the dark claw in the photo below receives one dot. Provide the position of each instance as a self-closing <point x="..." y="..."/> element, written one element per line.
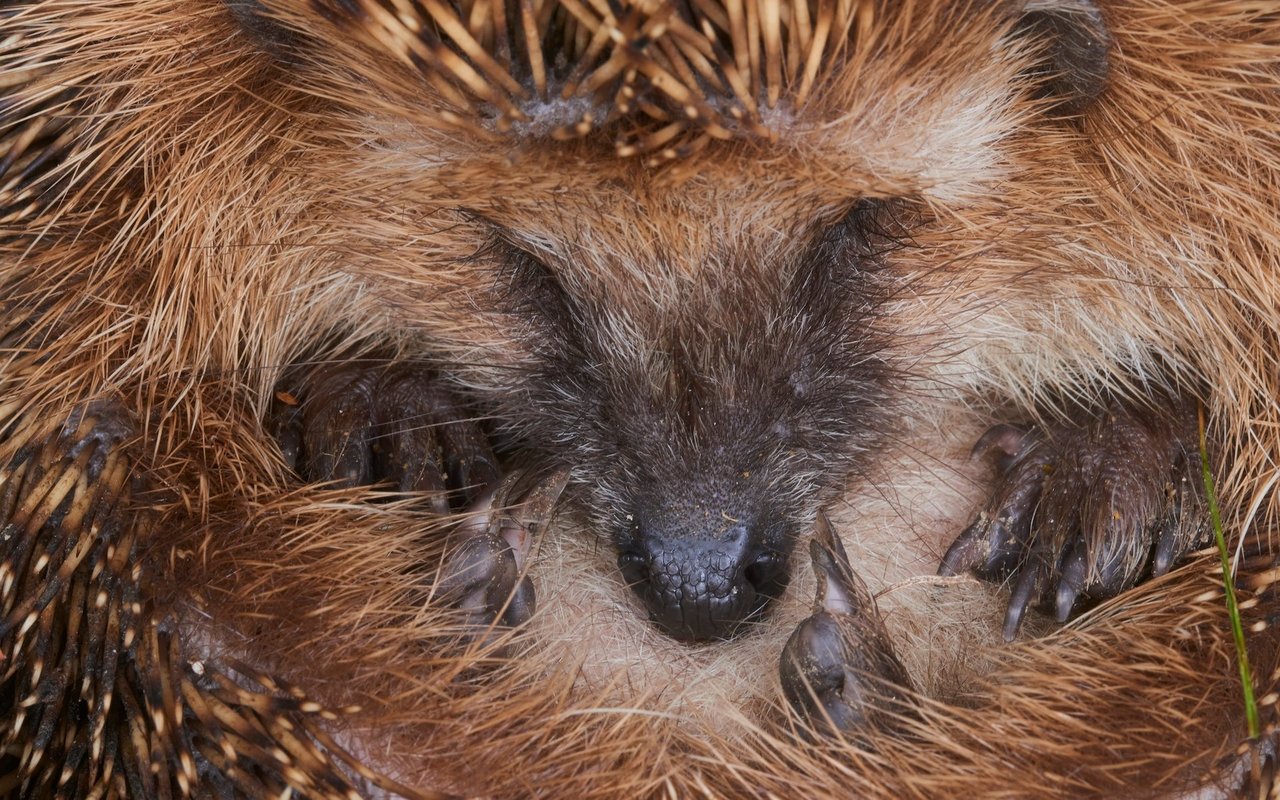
<point x="413" y="461"/>
<point x="285" y="424"/>
<point x="1172" y="537"/>
<point x="1074" y="571"/>
<point x="838" y="669"/>
<point x="1114" y="576"/>
<point x="990" y="547"/>
<point x="996" y="542"/>
<point x="345" y="460"/>
<point x="970" y="549"/>
<point x="1026" y="591"/>
<point x="470" y="465"/>
<point x="337" y="427"/>
<point x="1166" y="544"/>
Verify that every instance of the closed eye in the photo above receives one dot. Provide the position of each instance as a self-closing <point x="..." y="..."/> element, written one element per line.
<point x="874" y="227"/>
<point x="529" y="289"/>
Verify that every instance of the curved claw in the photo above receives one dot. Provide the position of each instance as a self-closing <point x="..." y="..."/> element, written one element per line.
<point x="840" y="590"/>
<point x="469" y="466"/>
<point x="1173" y="535"/>
<point x="1074" y="571"/>
<point x="1166" y="547"/>
<point x="1025" y="591"/>
<point x="996" y="542"/>
<point x="989" y="547"/>
<point x="285" y="423"/>
<point x="337" y="426"/>
<point x="968" y="550"/>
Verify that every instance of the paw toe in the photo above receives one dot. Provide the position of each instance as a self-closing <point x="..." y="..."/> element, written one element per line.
<point x="361" y="422"/>
<point x="1082" y="513"/>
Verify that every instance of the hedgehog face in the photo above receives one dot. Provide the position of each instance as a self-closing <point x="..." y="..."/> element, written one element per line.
<point x="707" y="352"/>
<point x="704" y="423"/>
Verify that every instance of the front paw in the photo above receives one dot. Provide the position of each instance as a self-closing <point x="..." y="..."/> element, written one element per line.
<point x="1084" y="511"/>
<point x="838" y="669"/>
<point x="485" y="576"/>
<point x="363" y="422"/>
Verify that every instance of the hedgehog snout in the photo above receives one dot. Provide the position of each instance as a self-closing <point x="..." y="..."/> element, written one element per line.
<point x="702" y="582"/>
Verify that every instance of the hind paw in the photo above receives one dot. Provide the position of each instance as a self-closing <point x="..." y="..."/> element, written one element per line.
<point x="363" y="422"/>
<point x="1083" y="512"/>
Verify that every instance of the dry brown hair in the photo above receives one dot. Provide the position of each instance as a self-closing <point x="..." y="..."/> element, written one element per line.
<point x="187" y="209"/>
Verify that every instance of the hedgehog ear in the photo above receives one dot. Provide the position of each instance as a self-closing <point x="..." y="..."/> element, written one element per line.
<point x="1075" y="55"/>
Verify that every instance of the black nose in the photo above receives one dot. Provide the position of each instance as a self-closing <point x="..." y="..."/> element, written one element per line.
<point x="703" y="584"/>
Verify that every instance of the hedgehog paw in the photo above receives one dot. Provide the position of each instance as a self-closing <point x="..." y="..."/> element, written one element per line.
<point x="484" y="576"/>
<point x="1082" y="512"/>
<point x="838" y="669"/>
<point x="362" y="422"/>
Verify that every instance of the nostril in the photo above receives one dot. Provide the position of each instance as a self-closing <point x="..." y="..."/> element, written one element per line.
<point x="634" y="567"/>
<point x="762" y="573"/>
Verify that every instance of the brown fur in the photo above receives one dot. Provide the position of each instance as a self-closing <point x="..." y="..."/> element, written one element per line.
<point x="210" y="213"/>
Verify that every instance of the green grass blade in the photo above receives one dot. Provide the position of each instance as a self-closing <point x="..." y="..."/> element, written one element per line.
<point x="1229" y="584"/>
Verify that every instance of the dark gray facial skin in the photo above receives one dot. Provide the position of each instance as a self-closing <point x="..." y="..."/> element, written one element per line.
<point x="702" y="452"/>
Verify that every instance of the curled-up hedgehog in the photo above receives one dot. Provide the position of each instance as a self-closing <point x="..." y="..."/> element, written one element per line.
<point x="441" y="397"/>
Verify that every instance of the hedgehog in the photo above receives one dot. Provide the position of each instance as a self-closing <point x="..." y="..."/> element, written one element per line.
<point x="430" y="398"/>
